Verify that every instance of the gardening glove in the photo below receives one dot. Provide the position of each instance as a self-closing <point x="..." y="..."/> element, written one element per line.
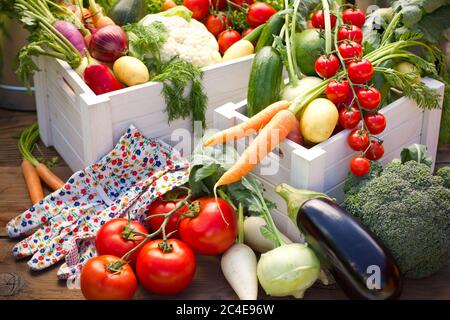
<point x="69" y="218"/>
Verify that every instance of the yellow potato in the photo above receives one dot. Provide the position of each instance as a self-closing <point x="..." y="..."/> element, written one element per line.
<point x="318" y="120"/>
<point x="239" y="49"/>
<point x="130" y="71"/>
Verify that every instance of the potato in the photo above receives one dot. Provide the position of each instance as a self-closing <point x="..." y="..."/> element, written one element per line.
<point x="130" y="71"/>
<point x="239" y="49"/>
<point x="318" y="120"/>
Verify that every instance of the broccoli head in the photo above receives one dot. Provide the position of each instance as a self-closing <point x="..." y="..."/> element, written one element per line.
<point x="409" y="210"/>
<point x="444" y="173"/>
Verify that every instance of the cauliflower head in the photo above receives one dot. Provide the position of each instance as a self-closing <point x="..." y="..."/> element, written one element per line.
<point x="188" y="40"/>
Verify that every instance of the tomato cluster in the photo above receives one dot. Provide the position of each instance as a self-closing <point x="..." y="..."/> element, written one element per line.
<point x="351" y="92"/>
<point x="166" y="264"/>
<point x="214" y="14"/>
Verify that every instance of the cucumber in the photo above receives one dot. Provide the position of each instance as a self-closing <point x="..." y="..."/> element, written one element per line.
<point x="128" y="11"/>
<point x="254" y="34"/>
<point x="271" y="28"/>
<point x="264" y="85"/>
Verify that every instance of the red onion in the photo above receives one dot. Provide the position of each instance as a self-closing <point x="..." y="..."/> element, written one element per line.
<point x="72" y="34"/>
<point x="108" y="43"/>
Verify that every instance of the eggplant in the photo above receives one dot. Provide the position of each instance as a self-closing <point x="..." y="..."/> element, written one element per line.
<point x="361" y="265"/>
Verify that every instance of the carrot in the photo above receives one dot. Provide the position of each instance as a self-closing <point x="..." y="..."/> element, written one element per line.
<point x="33" y="182"/>
<point x="269" y="137"/>
<point x="49" y="177"/>
<point x="255" y="123"/>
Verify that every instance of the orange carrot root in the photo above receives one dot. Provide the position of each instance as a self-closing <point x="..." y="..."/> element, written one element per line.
<point x="252" y="125"/>
<point x="269" y="137"/>
<point x="49" y="178"/>
<point x="33" y="182"/>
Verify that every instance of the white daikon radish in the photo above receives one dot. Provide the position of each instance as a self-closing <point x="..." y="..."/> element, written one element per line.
<point x="253" y="237"/>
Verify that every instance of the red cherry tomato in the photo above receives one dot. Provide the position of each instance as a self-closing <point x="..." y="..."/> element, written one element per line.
<point x="213" y="230"/>
<point x="227" y="38"/>
<point x="369" y="98"/>
<point x="115" y="238"/>
<point x="217" y="23"/>
<point x="337" y="91"/>
<point x="376" y="122"/>
<point x="239" y="4"/>
<point x="355" y="17"/>
<point x="327" y="66"/>
<point x="349" y="118"/>
<point x="218" y="4"/>
<point x="259" y="12"/>
<point x="161" y="206"/>
<point x="97" y="282"/>
<point x="350" y="50"/>
<point x="247" y="31"/>
<point x="375" y="151"/>
<point x="199" y="8"/>
<point x="165" y="272"/>
<point x="318" y="19"/>
<point x="358" y="140"/>
<point x="360" y="71"/>
<point x="359" y="166"/>
<point x="348" y="32"/>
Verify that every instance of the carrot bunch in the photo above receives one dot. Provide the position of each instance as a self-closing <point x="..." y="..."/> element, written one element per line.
<point x="33" y="170"/>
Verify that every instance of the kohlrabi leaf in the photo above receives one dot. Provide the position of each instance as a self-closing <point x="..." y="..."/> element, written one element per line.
<point x="416" y="152"/>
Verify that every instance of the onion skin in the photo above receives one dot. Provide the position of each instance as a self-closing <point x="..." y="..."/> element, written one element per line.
<point x="108" y="43"/>
<point x="72" y="34"/>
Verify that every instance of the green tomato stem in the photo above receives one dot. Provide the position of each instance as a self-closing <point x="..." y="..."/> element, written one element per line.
<point x="328" y="37"/>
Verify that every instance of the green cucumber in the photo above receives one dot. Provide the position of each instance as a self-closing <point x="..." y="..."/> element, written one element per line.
<point x="128" y="11"/>
<point x="271" y="28"/>
<point x="264" y="85"/>
<point x="254" y="34"/>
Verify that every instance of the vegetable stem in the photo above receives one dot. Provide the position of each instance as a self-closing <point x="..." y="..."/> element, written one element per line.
<point x="240" y="223"/>
<point x="387" y="34"/>
<point x="328" y="37"/>
<point x="293" y="80"/>
<point x="293" y="31"/>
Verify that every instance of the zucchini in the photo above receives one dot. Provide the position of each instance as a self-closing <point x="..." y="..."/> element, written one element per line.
<point x="128" y="11"/>
<point x="271" y="28"/>
<point x="254" y="34"/>
<point x="264" y="85"/>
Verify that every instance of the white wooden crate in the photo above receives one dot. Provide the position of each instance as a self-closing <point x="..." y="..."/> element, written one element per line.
<point x="325" y="166"/>
<point x="83" y="126"/>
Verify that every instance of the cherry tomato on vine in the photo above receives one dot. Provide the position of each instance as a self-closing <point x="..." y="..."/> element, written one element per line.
<point x="359" y="166"/>
<point x="239" y="4"/>
<point x="165" y="269"/>
<point x="199" y="8"/>
<point x="212" y="230"/>
<point x="227" y="38"/>
<point x="337" y="92"/>
<point x="327" y="66"/>
<point x="116" y="238"/>
<point x="161" y="206"/>
<point x="349" y="117"/>
<point x="358" y="139"/>
<point x="258" y="13"/>
<point x="218" y="4"/>
<point x="99" y="282"/>
<point x="349" y="32"/>
<point x="318" y="19"/>
<point x="360" y="71"/>
<point x="376" y="122"/>
<point x="350" y="50"/>
<point x="216" y="23"/>
<point x="355" y="17"/>
<point x="375" y="151"/>
<point x="247" y="31"/>
<point x="369" y="98"/>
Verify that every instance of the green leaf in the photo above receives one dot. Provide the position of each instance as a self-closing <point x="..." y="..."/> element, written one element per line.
<point x="434" y="25"/>
<point x="268" y="233"/>
<point x="206" y="171"/>
<point x="416" y="152"/>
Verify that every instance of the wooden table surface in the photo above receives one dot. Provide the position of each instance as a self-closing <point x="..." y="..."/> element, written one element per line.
<point x="209" y="282"/>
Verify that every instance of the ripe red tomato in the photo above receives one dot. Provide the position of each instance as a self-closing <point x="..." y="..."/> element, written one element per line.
<point x="360" y="71"/>
<point x="161" y="206"/>
<point x="337" y="91"/>
<point x="259" y="12"/>
<point x="216" y="23"/>
<point x="359" y="166"/>
<point x="98" y="282"/>
<point x="353" y="16"/>
<point x="376" y="122"/>
<point x="318" y="19"/>
<point x="166" y="273"/>
<point x="369" y="98"/>
<point x="350" y="50"/>
<point x="227" y="38"/>
<point x="199" y="8"/>
<point x="358" y="140"/>
<point x="348" y="32"/>
<point x="239" y="4"/>
<point x="375" y="151"/>
<point x="327" y="66"/>
<point x="211" y="232"/>
<point x="219" y="4"/>
<point x="114" y="238"/>
<point x="247" y="31"/>
<point x="349" y="118"/>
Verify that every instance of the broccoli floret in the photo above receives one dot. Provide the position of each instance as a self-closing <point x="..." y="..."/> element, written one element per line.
<point x="409" y="210"/>
<point x="444" y="173"/>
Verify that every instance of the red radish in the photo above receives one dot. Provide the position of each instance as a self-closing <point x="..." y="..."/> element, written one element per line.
<point x="71" y="33"/>
<point x="216" y="23"/>
<point x="227" y="38"/>
<point x="109" y="43"/>
<point x="295" y="135"/>
<point x="259" y="12"/>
